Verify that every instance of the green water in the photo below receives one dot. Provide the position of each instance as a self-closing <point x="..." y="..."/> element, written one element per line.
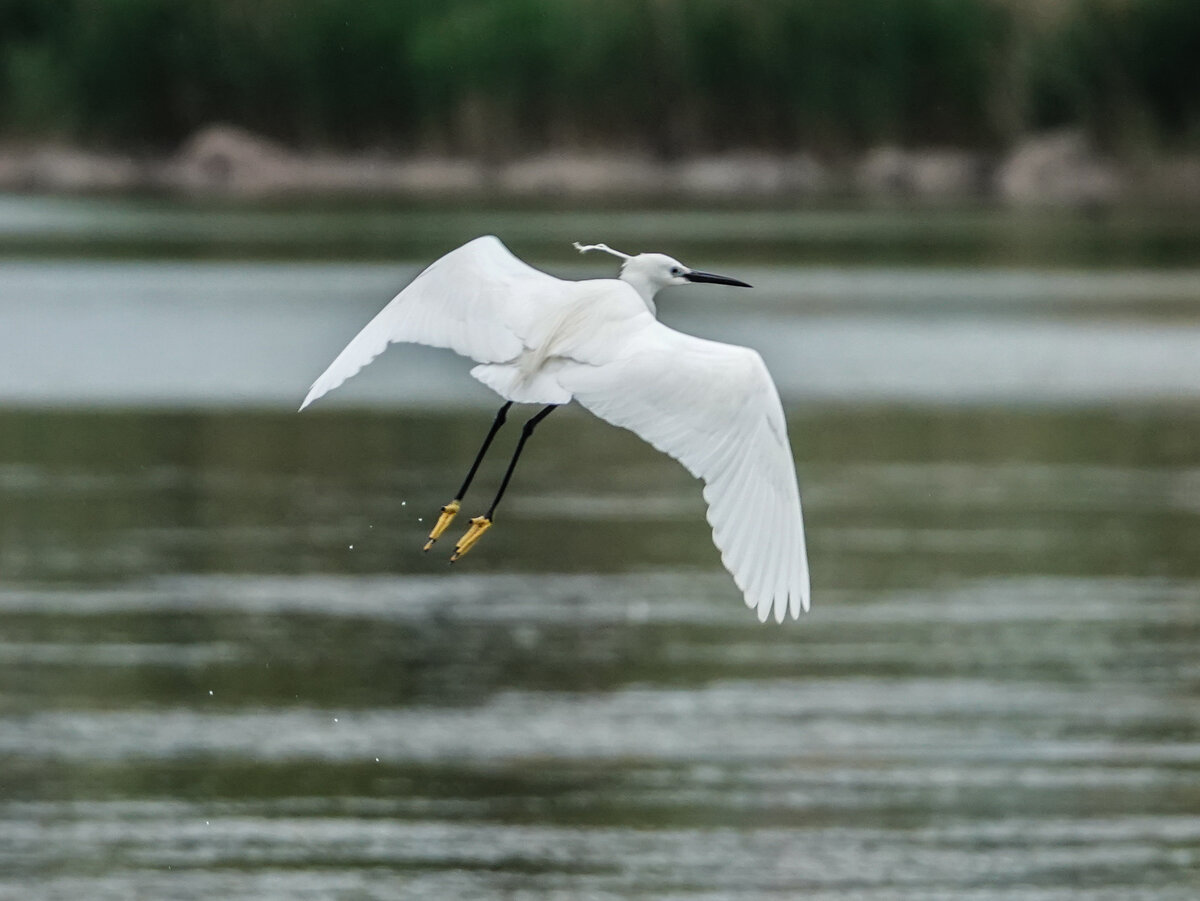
<point x="106" y="228"/>
<point x="227" y="671"/>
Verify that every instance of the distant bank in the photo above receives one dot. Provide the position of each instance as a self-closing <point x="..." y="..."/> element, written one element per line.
<point x="1055" y="168"/>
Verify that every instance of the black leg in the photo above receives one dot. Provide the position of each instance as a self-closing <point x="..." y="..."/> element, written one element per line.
<point x="481" y="524"/>
<point x="501" y="415"/>
<point x="526" y="431"/>
<point x="448" y="512"/>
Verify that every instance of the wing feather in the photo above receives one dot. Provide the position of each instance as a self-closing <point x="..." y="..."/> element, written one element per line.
<point x="478" y="300"/>
<point x="714" y="408"/>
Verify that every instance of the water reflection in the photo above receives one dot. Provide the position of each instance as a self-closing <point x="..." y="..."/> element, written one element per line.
<point x="973" y="236"/>
<point x="172" y="334"/>
<point x="228" y="670"/>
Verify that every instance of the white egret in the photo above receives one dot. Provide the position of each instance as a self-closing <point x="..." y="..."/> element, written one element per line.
<point x="538" y="339"/>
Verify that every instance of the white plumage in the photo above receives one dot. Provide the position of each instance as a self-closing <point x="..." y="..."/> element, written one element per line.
<point x="540" y="339"/>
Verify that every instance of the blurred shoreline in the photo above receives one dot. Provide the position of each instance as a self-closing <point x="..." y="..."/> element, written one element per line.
<point x="1057" y="168"/>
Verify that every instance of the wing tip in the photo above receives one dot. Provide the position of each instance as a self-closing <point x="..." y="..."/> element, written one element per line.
<point x="780" y="607"/>
<point x="312" y="395"/>
<point x="325" y="384"/>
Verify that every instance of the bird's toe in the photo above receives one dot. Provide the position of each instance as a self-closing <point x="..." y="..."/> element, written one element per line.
<point x="479" y="525"/>
<point x="443" y="522"/>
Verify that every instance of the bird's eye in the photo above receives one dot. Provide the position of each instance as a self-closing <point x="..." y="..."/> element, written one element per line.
<point x="676" y="272"/>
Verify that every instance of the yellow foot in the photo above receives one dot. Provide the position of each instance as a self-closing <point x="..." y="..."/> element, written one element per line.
<point x="479" y="525"/>
<point x="444" y="519"/>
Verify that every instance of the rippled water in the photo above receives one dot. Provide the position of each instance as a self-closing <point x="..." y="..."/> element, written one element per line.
<point x="226" y="670"/>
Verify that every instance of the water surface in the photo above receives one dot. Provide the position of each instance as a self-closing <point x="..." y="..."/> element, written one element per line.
<point x="226" y="670"/>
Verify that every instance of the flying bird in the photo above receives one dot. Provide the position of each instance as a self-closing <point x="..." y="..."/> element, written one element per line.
<point x="542" y="340"/>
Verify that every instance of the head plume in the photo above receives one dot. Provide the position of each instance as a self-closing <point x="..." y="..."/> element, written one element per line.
<point x="584" y="248"/>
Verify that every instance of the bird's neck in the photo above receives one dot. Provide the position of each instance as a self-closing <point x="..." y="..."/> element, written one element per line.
<point x="645" y="288"/>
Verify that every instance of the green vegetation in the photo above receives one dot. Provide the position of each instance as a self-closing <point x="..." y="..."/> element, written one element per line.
<point x="506" y="76"/>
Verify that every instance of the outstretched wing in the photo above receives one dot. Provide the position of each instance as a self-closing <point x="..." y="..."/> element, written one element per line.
<point x="477" y="300"/>
<point x="714" y="408"/>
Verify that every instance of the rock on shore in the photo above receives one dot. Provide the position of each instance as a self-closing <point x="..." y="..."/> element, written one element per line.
<point x="1060" y="167"/>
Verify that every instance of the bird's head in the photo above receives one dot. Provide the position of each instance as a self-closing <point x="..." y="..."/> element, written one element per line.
<point x="651" y="272"/>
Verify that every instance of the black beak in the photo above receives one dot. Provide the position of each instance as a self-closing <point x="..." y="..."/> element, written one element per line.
<point x="708" y="278"/>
